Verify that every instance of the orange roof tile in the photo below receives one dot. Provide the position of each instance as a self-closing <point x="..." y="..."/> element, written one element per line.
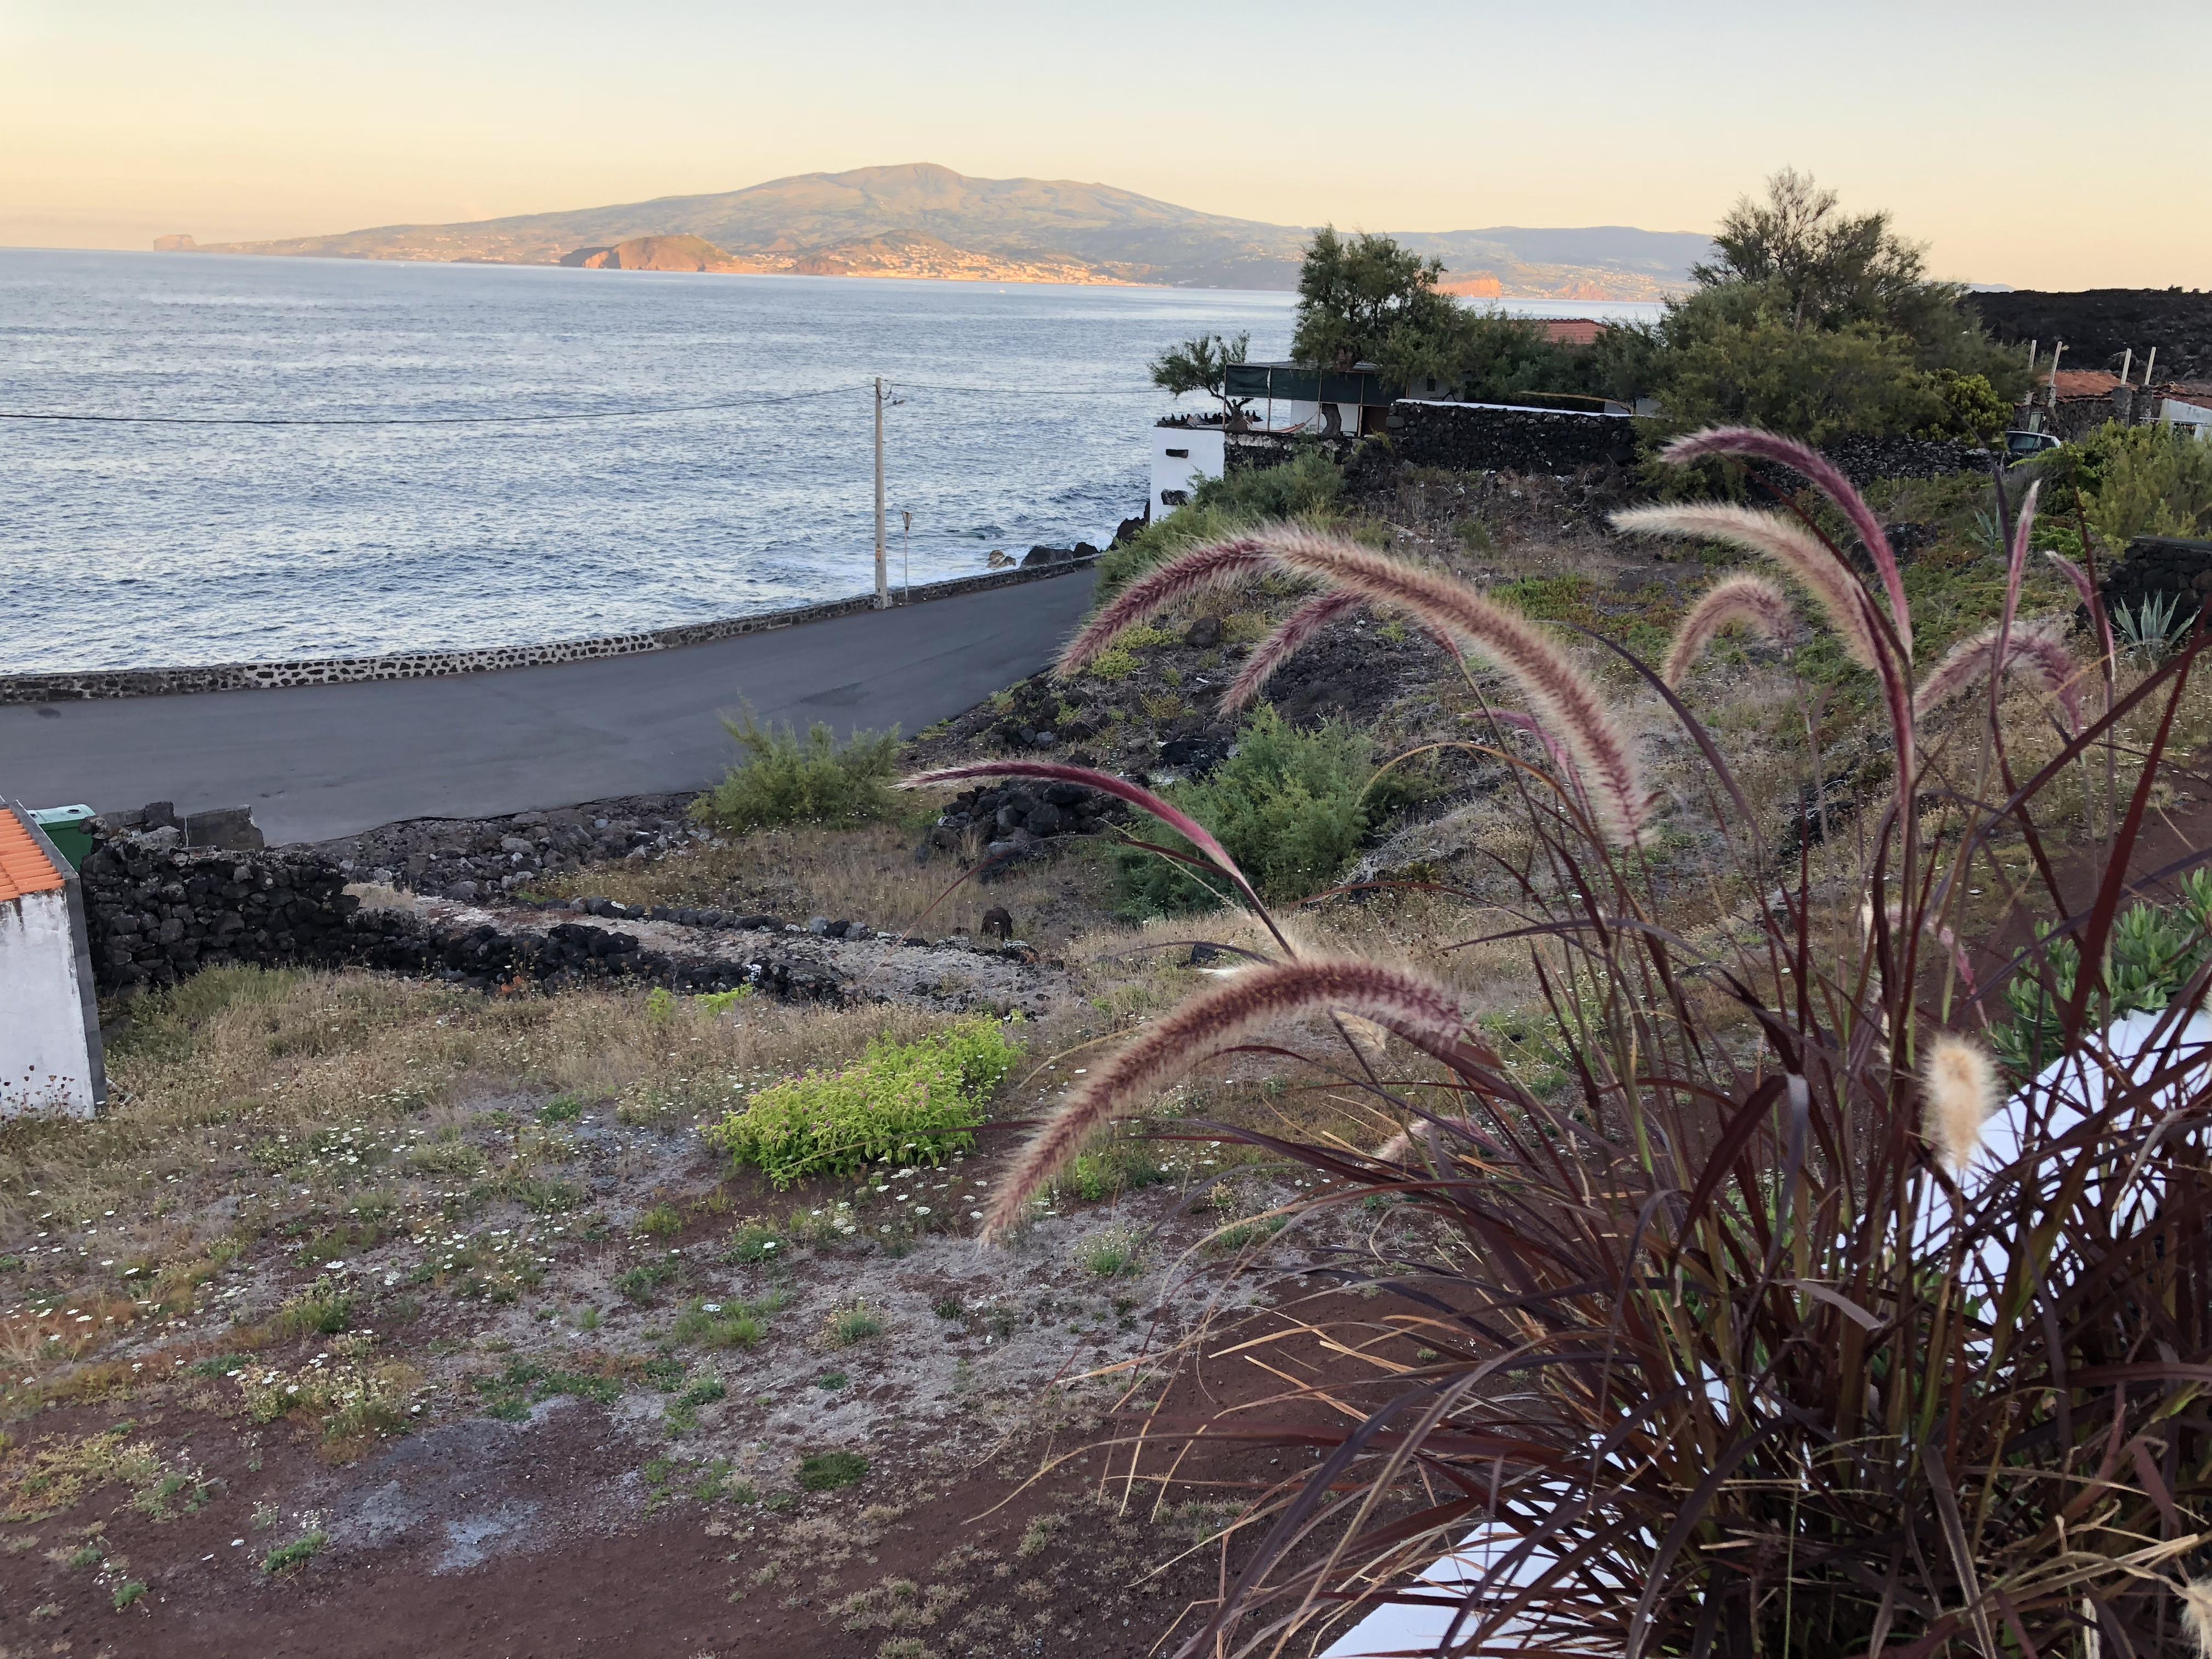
<point x="24" y="868"/>
<point x="2085" y="382"/>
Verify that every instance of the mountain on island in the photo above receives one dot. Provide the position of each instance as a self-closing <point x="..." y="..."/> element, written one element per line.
<point x="922" y="220"/>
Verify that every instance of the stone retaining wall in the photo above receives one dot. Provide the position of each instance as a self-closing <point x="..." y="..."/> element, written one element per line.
<point x="1495" y="438"/>
<point x="2172" y="568"/>
<point x="420" y="665"/>
<point x="1865" y="457"/>
<point x="159" y="913"/>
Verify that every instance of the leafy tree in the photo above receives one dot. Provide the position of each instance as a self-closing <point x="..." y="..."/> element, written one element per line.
<point x="1829" y="268"/>
<point x="1201" y="363"/>
<point x="1816" y="323"/>
<point x="1368" y="300"/>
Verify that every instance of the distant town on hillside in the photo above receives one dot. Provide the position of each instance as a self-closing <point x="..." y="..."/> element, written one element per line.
<point x="921" y="220"/>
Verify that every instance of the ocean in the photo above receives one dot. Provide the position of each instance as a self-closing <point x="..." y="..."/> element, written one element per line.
<point x="1019" y="415"/>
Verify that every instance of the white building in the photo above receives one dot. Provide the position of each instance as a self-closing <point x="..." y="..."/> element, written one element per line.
<point x="2191" y="410"/>
<point x="1182" y="455"/>
<point x="50" y="1059"/>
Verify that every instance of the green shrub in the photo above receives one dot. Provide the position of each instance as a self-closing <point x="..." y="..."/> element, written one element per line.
<point x="640" y="1282"/>
<point x="286" y="1557"/>
<point x="828" y="1471"/>
<point x="321" y="1309"/>
<point x="2146" y="481"/>
<point x="1304" y="487"/>
<point x="662" y="1220"/>
<point x="526" y="1383"/>
<point x="855" y="1324"/>
<point x="1291" y="807"/>
<point x="786" y="780"/>
<point x="904" y="1103"/>
<point x="2155" y="950"/>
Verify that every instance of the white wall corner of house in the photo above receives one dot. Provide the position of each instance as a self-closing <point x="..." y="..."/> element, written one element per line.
<point x="1181" y="456"/>
<point x="51" y="1063"/>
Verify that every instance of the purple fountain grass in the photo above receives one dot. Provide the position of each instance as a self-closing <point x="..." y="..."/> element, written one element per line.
<point x="1285" y="642"/>
<point x="1201" y="569"/>
<point x="2036" y="651"/>
<point x="1562" y="762"/>
<point x="1832" y="583"/>
<point x="1752" y="601"/>
<point x="1824" y="476"/>
<point x="2092" y="602"/>
<point x="1158" y="1053"/>
<point x="1106" y="783"/>
<point x="1561" y="695"/>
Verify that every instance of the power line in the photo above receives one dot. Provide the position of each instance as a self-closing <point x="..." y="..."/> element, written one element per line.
<point x="1033" y="391"/>
<point x="424" y="420"/>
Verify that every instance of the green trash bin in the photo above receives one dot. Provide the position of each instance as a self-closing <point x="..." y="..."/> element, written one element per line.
<point x="70" y="829"/>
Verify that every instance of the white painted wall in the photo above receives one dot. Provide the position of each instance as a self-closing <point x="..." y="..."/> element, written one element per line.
<point x="2173" y="412"/>
<point x="1179" y="455"/>
<point x="47" y="1067"/>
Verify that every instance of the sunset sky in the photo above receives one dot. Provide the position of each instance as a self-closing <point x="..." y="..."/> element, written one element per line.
<point x="2028" y="143"/>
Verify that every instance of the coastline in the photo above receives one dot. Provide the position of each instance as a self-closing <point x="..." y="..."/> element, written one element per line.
<point x="89" y="684"/>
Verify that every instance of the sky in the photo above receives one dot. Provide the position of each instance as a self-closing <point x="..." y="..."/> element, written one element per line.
<point x="2007" y="139"/>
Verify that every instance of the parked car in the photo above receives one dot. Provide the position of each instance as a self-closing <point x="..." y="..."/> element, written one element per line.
<point x="2022" y="445"/>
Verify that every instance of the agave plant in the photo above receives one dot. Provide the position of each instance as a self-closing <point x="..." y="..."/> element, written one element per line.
<point x="1791" y="1326"/>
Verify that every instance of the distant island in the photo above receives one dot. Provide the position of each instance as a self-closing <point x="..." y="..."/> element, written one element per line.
<point x="924" y="220"/>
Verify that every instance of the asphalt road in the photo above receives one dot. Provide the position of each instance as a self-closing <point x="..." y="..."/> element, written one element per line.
<point x="315" y="761"/>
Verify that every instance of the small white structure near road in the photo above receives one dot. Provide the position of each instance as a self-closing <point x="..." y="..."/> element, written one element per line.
<point x="50" y="1058"/>
<point x="1181" y="456"/>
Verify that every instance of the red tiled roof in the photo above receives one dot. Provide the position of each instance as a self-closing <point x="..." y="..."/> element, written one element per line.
<point x="23" y="867"/>
<point x="2086" y="382"/>
<point x="1573" y="331"/>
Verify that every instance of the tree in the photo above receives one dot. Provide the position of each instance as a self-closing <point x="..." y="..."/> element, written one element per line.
<point x="1368" y="300"/>
<point x="1831" y="268"/>
<point x="1201" y="364"/>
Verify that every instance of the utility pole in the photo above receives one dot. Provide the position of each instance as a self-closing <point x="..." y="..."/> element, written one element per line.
<point x="906" y="559"/>
<point x="882" y="578"/>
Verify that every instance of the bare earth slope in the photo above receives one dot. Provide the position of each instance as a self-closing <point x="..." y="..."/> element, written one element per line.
<point x="921" y="219"/>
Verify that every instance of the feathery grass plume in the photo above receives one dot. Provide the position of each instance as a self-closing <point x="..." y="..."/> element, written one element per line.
<point x="1106" y="783"/>
<point x="1558" y="692"/>
<point x="1824" y="476"/>
<point x="1961" y="1088"/>
<point x="1753" y="601"/>
<point x="1286" y="641"/>
<point x="1160" y="1052"/>
<point x="2035" y="651"/>
<point x="1841" y="595"/>
<point x="1201" y="569"/>
<point x="2196" y="1612"/>
<point x="1562" y="763"/>
<point x="2094" y="603"/>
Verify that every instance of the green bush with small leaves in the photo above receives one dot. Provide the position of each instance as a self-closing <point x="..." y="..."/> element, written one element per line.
<point x="903" y="1103"/>
<point x="2155" y="950"/>
<point x="786" y="779"/>
<point x="1291" y="806"/>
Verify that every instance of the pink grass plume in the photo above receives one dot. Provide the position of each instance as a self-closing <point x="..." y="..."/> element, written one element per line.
<point x="1557" y="691"/>
<point x="1834" y="586"/>
<point x="1748" y="601"/>
<point x="1201" y="569"/>
<point x="1107" y="784"/>
<point x="1290" y="637"/>
<point x="1160" y="1053"/>
<point x="2035" y="651"/>
<point x="1824" y="475"/>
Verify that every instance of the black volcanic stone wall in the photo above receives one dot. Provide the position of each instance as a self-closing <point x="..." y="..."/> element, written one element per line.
<point x="159" y="913"/>
<point x="1865" y="457"/>
<point x="1478" y="438"/>
<point x="2154" y="566"/>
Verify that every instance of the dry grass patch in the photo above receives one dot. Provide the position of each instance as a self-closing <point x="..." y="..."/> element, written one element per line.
<point x="867" y="875"/>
